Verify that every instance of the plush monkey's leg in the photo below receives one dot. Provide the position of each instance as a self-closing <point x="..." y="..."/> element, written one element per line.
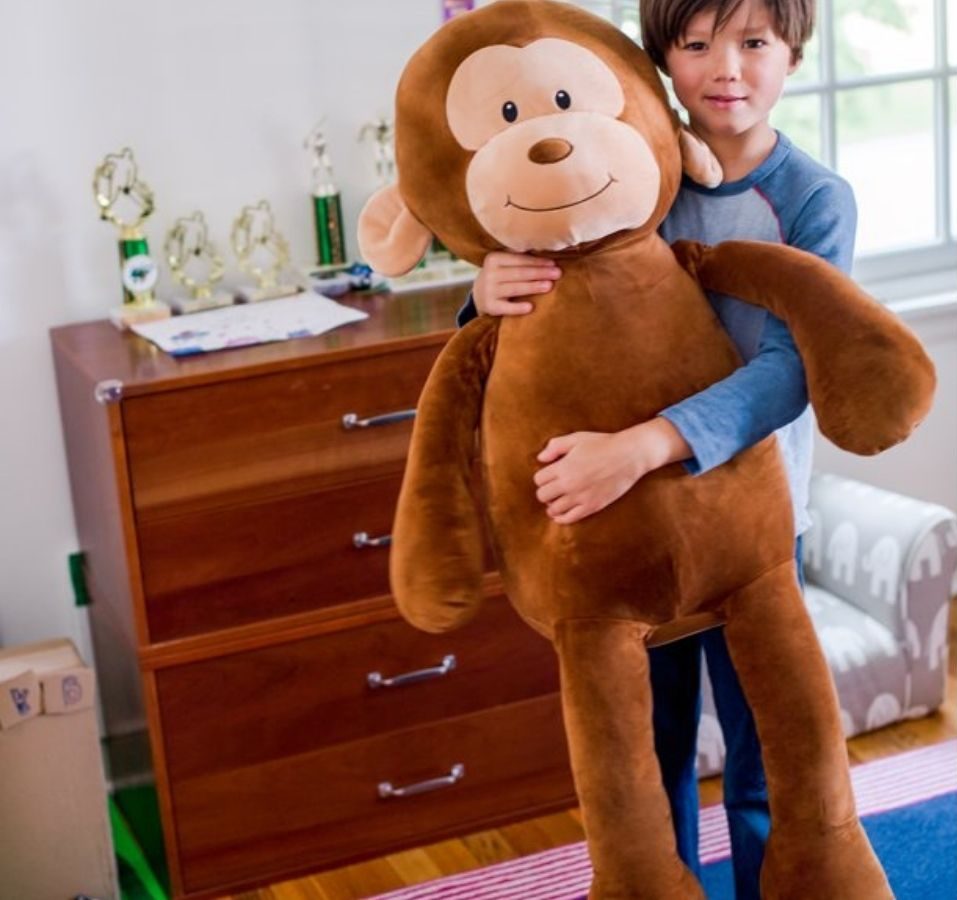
<point x="817" y="847"/>
<point x="606" y="699"/>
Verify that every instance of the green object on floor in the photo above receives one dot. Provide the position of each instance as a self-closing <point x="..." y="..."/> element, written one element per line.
<point x="138" y="840"/>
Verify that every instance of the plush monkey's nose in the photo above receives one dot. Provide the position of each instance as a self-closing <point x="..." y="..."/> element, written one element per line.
<point x="549" y="150"/>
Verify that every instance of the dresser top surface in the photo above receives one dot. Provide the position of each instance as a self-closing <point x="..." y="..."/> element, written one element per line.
<point x="99" y="351"/>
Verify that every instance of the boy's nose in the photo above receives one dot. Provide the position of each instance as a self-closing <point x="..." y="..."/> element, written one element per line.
<point x="727" y="66"/>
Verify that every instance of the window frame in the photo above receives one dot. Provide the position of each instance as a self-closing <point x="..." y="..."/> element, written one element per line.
<point x="933" y="263"/>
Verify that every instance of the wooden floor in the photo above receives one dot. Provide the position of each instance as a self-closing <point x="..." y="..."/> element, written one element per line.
<point x="359" y="882"/>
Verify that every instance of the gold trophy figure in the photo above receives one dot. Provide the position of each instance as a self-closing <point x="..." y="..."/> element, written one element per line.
<point x="127" y="202"/>
<point x="326" y="203"/>
<point x="262" y="253"/>
<point x="196" y="264"/>
<point x="382" y="133"/>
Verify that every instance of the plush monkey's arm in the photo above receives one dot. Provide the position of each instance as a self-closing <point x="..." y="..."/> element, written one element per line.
<point x="869" y="380"/>
<point x="437" y="543"/>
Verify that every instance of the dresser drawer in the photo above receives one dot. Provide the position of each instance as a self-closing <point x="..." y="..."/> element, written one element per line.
<point x="250" y="708"/>
<point x="304" y="811"/>
<point x="220" y="443"/>
<point x="230" y="566"/>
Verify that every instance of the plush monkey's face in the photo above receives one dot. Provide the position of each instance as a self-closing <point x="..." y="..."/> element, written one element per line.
<point x="527" y="125"/>
<point x="554" y="166"/>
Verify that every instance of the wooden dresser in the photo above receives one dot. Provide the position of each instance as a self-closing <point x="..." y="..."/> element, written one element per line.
<point x="233" y="509"/>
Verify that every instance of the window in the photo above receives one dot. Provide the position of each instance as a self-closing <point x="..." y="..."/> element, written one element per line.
<point x="876" y="100"/>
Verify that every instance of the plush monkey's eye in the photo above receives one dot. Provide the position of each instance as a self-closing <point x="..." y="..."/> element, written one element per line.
<point x="563" y="99"/>
<point x="509" y="111"/>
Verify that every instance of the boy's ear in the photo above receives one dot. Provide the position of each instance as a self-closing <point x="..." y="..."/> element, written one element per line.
<point x="698" y="161"/>
<point x="391" y="239"/>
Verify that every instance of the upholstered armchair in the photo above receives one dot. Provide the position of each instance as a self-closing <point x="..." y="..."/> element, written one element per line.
<point x="880" y="569"/>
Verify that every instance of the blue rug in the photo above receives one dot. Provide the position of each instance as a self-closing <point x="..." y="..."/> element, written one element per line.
<point x="917" y="846"/>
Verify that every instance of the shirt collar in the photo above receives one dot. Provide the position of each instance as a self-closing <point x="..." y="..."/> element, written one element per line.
<point x="778" y="154"/>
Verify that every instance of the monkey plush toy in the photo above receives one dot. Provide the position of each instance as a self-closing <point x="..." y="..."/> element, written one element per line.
<point x="536" y="127"/>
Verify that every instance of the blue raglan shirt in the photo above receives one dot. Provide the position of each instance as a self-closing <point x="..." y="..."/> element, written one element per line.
<point x="789" y="199"/>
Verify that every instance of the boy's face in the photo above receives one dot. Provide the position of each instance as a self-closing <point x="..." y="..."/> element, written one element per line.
<point x="730" y="80"/>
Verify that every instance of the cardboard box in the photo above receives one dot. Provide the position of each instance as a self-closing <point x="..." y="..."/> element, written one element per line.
<point x="55" y="839"/>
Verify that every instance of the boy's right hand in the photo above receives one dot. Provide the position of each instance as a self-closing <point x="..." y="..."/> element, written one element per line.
<point x="507" y="276"/>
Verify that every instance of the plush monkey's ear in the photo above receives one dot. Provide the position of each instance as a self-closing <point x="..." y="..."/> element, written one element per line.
<point x="698" y="161"/>
<point x="391" y="239"/>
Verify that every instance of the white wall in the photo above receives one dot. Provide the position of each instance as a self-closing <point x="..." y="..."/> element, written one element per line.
<point x="215" y="97"/>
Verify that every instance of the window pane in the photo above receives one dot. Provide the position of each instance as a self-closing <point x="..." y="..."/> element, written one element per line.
<point x="877" y="37"/>
<point x="885" y="149"/>
<point x="800" y="119"/>
<point x="809" y="71"/>
<point x="629" y="23"/>
<point x="599" y="7"/>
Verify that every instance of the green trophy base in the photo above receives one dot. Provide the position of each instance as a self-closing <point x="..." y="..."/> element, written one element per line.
<point x="183" y="306"/>
<point x="129" y="314"/>
<point x="249" y="294"/>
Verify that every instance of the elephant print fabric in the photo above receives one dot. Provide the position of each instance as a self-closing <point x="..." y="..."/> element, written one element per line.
<point x="886" y="638"/>
<point x="536" y="126"/>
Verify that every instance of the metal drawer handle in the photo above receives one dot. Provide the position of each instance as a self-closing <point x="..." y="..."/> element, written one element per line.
<point x="456" y="774"/>
<point x="361" y="539"/>
<point x="352" y="420"/>
<point x="375" y="679"/>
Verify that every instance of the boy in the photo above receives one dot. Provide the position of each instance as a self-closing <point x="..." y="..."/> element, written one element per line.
<point x="728" y="60"/>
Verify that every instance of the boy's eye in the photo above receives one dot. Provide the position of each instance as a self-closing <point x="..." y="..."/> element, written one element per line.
<point x="755" y="43"/>
<point x="695" y="45"/>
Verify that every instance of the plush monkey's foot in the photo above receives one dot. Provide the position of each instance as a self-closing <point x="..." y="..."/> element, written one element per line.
<point x="832" y="864"/>
<point x="671" y="883"/>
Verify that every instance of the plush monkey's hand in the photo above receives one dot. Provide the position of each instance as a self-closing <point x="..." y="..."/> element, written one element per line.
<point x="869" y="379"/>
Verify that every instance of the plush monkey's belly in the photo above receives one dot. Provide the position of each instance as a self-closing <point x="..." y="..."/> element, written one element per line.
<point x="675" y="544"/>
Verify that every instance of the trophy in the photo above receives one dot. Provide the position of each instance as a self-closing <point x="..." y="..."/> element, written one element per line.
<point x="196" y="264"/>
<point x="262" y="253"/>
<point x="382" y="133"/>
<point x="326" y="203"/>
<point x="127" y="202"/>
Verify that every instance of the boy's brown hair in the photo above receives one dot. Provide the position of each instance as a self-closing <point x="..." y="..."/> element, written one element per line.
<point x="664" y="22"/>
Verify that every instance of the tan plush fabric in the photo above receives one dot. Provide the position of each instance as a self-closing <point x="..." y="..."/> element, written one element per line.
<point x="626" y="332"/>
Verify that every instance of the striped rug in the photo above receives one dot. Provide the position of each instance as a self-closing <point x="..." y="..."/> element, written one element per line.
<point x="564" y="873"/>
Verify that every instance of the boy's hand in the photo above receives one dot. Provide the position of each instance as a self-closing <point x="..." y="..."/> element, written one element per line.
<point x="505" y="276"/>
<point x="587" y="471"/>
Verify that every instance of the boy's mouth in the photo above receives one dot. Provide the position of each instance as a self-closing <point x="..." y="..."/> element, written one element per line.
<point x="723" y="101"/>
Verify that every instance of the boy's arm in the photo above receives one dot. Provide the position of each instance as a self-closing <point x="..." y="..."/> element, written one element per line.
<point x="742" y="409"/>
<point x="770" y="390"/>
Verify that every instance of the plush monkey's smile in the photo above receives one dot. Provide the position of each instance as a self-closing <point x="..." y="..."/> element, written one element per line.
<point x="609" y="183"/>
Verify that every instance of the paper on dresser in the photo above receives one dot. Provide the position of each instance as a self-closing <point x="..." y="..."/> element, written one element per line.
<point x="303" y="315"/>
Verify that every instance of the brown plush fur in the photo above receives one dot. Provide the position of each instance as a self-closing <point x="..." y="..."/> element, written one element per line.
<point x="626" y="332"/>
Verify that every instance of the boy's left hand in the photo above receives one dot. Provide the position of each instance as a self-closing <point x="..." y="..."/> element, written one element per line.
<point x="586" y="471"/>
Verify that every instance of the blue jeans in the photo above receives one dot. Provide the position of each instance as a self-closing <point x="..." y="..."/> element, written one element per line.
<point x="676" y="692"/>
